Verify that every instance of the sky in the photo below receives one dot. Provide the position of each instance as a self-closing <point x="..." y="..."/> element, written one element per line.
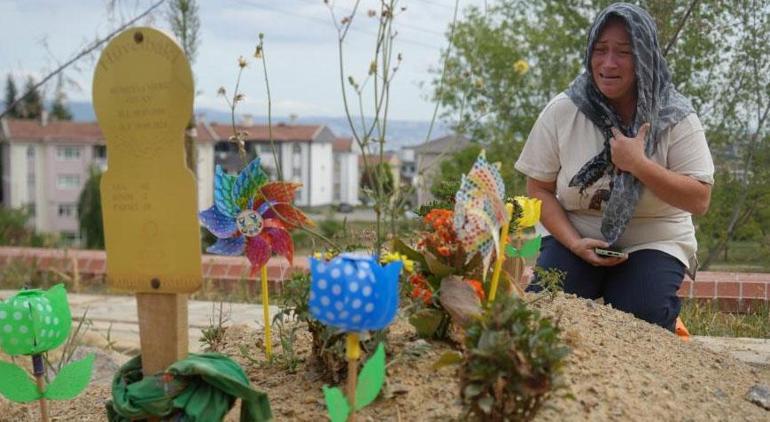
<point x="300" y="47"/>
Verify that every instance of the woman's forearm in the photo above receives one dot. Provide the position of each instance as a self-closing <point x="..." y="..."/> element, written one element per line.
<point x="552" y="215"/>
<point x="676" y="189"/>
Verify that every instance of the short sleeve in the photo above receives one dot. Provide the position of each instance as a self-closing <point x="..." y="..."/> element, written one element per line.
<point x="688" y="151"/>
<point x="539" y="158"/>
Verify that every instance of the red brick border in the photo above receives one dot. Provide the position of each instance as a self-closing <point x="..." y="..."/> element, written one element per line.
<point x="735" y="291"/>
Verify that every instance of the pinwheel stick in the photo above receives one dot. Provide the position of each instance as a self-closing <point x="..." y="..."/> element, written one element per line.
<point x="518" y="264"/>
<point x="266" y="314"/>
<point x="500" y="253"/>
<point x="38" y="369"/>
<point x="353" y="354"/>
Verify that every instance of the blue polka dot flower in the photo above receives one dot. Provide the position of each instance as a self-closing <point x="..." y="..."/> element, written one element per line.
<point x="354" y="292"/>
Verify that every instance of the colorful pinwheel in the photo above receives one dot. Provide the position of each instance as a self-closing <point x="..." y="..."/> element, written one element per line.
<point x="251" y="215"/>
<point x="480" y="210"/>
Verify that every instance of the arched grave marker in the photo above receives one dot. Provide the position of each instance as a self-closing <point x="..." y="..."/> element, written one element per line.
<point x="143" y="94"/>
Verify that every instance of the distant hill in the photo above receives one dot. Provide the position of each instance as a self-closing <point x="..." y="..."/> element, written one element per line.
<point x="401" y="133"/>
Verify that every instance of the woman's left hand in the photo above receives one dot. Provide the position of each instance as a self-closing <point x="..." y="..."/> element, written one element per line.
<point x="628" y="153"/>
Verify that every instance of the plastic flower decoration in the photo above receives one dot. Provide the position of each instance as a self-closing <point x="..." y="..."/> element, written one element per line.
<point x="480" y="210"/>
<point x="252" y="216"/>
<point x="354" y="292"/>
<point x="530" y="211"/>
<point x="33" y="322"/>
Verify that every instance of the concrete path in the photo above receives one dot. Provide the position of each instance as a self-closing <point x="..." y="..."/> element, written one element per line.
<point x="115" y="317"/>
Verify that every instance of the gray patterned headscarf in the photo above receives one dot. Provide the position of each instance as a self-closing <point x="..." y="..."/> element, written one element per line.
<point x="658" y="103"/>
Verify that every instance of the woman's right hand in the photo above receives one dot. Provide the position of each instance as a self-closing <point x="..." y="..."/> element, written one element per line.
<point x="584" y="248"/>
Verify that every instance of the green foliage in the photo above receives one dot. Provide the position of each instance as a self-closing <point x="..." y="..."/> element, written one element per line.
<point x="185" y="23"/>
<point x="705" y="319"/>
<point x="551" y="280"/>
<point x="377" y="174"/>
<point x="31" y="107"/>
<point x="513" y="362"/>
<point x="59" y="110"/>
<point x="485" y="94"/>
<point x="11" y="94"/>
<point x="213" y="337"/>
<point x="15" y="231"/>
<point x="450" y="172"/>
<point x="90" y="211"/>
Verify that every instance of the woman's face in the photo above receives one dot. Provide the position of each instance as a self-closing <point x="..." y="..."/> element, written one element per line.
<point x="612" y="63"/>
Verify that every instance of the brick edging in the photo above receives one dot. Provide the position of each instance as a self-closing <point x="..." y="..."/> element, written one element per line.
<point x="735" y="291"/>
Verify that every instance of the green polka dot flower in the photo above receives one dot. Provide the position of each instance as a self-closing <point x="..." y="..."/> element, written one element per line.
<point x="34" y="321"/>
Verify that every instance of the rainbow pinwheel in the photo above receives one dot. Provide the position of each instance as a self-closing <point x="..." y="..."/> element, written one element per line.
<point x="480" y="210"/>
<point x="251" y="215"/>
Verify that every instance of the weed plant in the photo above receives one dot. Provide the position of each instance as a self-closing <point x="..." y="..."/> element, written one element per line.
<point x="512" y="364"/>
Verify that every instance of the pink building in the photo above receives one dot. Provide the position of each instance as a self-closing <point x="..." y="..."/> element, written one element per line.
<point x="45" y="164"/>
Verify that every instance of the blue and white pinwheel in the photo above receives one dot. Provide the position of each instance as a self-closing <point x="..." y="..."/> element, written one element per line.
<point x="354" y="292"/>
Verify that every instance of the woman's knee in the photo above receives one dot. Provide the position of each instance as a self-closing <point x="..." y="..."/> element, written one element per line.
<point x="646" y="285"/>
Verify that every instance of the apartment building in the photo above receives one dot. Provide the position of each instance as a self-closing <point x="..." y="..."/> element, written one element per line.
<point x="45" y="164"/>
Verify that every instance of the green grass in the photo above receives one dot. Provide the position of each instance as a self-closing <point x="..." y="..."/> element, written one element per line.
<point x="741" y="256"/>
<point x="705" y="319"/>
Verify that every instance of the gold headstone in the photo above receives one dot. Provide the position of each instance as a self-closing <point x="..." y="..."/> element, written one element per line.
<point x="143" y="94"/>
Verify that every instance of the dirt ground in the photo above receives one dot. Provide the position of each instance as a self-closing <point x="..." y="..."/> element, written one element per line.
<point x="620" y="369"/>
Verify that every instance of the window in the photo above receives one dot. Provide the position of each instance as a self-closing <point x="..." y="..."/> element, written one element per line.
<point x="100" y="151"/>
<point x="30" y="152"/>
<point x="67" y="210"/>
<point x="68" y="181"/>
<point x="67" y="153"/>
<point x="296" y="173"/>
<point x="267" y="149"/>
<point x="296" y="148"/>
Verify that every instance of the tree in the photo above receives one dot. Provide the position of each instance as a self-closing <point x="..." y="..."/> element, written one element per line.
<point x="183" y="17"/>
<point x="59" y="110"/>
<point x="739" y="127"/>
<point x="10" y="97"/>
<point x="506" y="62"/>
<point x="32" y="104"/>
<point x="14" y="230"/>
<point x="90" y="211"/>
<point x="377" y="173"/>
<point x="491" y="93"/>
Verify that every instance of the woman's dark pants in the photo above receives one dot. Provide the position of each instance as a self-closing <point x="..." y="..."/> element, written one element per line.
<point x="644" y="285"/>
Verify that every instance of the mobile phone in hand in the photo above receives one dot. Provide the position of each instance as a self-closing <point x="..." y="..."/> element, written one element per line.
<point x="610" y="253"/>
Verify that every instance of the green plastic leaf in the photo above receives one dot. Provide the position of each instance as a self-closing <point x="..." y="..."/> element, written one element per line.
<point x="336" y="404"/>
<point x="531" y="247"/>
<point x="451" y="357"/>
<point x="511" y="251"/>
<point x="371" y="378"/>
<point x="72" y="379"/>
<point x="16" y="385"/>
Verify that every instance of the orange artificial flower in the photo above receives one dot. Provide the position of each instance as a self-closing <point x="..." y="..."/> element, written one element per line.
<point x="477" y="287"/>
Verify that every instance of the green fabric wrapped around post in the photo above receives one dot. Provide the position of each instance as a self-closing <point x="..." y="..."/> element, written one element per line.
<point x="201" y="388"/>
